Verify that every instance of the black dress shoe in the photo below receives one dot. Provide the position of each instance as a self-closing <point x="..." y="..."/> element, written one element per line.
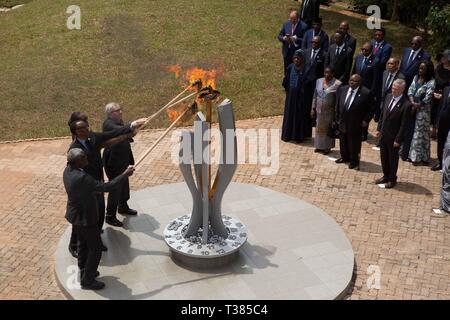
<point x="114" y="221"/>
<point x="94" y="285"/>
<point x="326" y="151"/>
<point x="82" y="273"/>
<point x="381" y="180"/>
<point x="104" y="248"/>
<point x="353" y="166"/>
<point x="436" y="167"/>
<point x="73" y="252"/>
<point x="390" y="184"/>
<point x="340" y="160"/>
<point x="127" y="211"/>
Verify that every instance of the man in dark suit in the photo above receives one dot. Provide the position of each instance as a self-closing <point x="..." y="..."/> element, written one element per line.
<point x="348" y="39"/>
<point x="382" y="50"/>
<point x="116" y="159"/>
<point x="390" y="130"/>
<point x="315" y="58"/>
<point x="291" y="36"/>
<point x="339" y="57"/>
<point x="92" y="143"/>
<point x="354" y="104"/>
<point x="314" y="32"/>
<point x="443" y="125"/>
<point x="411" y="60"/>
<point x="82" y="213"/>
<point x="391" y="74"/>
<point x="309" y="11"/>
<point x="365" y="65"/>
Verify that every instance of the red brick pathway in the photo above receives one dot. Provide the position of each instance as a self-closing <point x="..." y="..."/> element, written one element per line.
<point x="392" y="229"/>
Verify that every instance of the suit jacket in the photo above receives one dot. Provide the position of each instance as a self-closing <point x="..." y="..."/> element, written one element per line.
<point x="316" y="66"/>
<point x="309" y="12"/>
<point x="367" y="72"/>
<point x="383" y="53"/>
<point x="350" y="120"/>
<point x="118" y="157"/>
<point x="382" y="89"/>
<point x="81" y="201"/>
<point x="392" y="124"/>
<point x="349" y="41"/>
<point x="443" y="119"/>
<point x="299" y="31"/>
<point x="342" y="64"/>
<point x="95" y="141"/>
<point x="309" y="35"/>
<point x="413" y="68"/>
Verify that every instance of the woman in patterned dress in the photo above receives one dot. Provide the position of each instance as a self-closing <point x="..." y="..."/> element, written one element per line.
<point x="420" y="94"/>
<point x="323" y="104"/>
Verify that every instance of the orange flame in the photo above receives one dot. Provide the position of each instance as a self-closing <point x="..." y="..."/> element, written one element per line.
<point x="208" y="77"/>
<point x="173" y="114"/>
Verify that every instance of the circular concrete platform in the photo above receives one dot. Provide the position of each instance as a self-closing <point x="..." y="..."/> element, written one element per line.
<point x="294" y="251"/>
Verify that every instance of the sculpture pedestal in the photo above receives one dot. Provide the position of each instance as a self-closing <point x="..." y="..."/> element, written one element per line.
<point x="294" y="251"/>
<point x="216" y="253"/>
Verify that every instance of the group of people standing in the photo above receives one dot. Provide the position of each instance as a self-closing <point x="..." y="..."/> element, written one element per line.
<point x="338" y="93"/>
<point x="85" y="186"/>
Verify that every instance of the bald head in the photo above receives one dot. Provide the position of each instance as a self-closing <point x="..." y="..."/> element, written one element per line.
<point x="293" y="16"/>
<point x="416" y="43"/>
<point x="392" y="65"/>
<point x="315" y="42"/>
<point x="344" y="26"/>
<point x="366" y="49"/>
<point x="355" y="81"/>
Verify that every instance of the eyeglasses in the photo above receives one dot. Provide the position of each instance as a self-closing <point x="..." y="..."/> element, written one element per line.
<point x="414" y="43"/>
<point x="315" y="41"/>
<point x="364" y="49"/>
<point x="117" y="110"/>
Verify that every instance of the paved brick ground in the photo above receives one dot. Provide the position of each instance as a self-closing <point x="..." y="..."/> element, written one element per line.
<point x="392" y="229"/>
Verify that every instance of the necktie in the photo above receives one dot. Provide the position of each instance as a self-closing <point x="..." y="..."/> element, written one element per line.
<point x="363" y="63"/>
<point x="410" y="58"/>
<point x="391" y="105"/>
<point x="337" y="51"/>
<point x="349" y="98"/>
<point x="375" y="50"/>
<point x="313" y="56"/>
<point x="388" y="82"/>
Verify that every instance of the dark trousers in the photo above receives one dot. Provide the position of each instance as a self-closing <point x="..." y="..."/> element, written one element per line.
<point x="89" y="252"/>
<point x="350" y="146"/>
<point x="442" y="137"/>
<point x="409" y="132"/>
<point x="117" y="198"/>
<point x="101" y="219"/>
<point x="389" y="159"/>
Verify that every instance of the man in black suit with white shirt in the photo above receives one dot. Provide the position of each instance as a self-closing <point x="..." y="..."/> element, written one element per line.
<point x="391" y="74"/>
<point x="390" y="130"/>
<point x="354" y="107"/>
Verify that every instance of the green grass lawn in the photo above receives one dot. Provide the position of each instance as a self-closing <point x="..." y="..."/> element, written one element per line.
<point x="124" y="48"/>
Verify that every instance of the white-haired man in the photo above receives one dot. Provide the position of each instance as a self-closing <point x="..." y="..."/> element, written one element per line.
<point x="116" y="159"/>
<point x="391" y="128"/>
<point x="82" y="212"/>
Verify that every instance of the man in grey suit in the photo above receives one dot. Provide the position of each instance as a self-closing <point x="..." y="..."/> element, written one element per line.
<point x="82" y="213"/>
